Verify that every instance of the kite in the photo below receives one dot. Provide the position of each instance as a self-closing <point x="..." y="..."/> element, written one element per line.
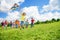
<point x="14" y="6"/>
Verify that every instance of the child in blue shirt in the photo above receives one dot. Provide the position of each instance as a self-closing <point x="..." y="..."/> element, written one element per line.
<point x="26" y="23"/>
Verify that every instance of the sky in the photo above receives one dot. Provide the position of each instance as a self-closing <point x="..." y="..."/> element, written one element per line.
<point x="38" y="9"/>
<point x="39" y="3"/>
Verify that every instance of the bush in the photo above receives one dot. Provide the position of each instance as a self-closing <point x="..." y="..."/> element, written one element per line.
<point x="47" y="21"/>
<point x="38" y="22"/>
<point x="58" y="20"/>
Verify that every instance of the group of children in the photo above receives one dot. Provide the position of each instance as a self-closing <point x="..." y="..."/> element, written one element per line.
<point x="21" y="24"/>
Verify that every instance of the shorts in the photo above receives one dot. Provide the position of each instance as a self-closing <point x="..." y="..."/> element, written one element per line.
<point x="26" y="25"/>
<point x="22" y="23"/>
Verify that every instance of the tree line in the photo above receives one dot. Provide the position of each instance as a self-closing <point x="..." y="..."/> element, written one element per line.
<point x="47" y="21"/>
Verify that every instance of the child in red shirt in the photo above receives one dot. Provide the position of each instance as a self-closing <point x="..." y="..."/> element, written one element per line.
<point x="32" y="22"/>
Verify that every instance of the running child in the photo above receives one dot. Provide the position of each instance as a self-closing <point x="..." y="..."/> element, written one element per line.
<point x="6" y="24"/>
<point x="22" y="20"/>
<point x="26" y="23"/>
<point x="32" y="22"/>
<point x="17" y="23"/>
<point x="2" y="24"/>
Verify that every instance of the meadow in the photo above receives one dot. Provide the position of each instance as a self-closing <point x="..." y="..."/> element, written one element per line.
<point x="48" y="31"/>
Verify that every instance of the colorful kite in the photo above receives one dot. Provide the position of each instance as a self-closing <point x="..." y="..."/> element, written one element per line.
<point x="14" y="6"/>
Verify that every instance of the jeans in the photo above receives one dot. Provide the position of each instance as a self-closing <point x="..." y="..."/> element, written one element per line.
<point x="22" y="23"/>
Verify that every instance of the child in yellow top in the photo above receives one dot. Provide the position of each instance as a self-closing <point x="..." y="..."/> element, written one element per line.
<point x="22" y="19"/>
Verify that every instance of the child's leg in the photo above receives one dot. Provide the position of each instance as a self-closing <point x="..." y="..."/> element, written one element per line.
<point x="32" y="25"/>
<point x="26" y="25"/>
<point x="2" y="27"/>
<point x="22" y="24"/>
<point x="5" y="26"/>
<point x="16" y="26"/>
<point x="10" y="25"/>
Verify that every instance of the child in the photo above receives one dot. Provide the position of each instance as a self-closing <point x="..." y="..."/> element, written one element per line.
<point x="11" y="24"/>
<point x="6" y="24"/>
<point x="2" y="23"/>
<point x="32" y="22"/>
<point x="26" y="23"/>
<point x="22" y="19"/>
<point x="17" y="23"/>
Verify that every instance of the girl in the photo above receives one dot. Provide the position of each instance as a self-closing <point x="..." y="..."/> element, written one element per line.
<point x="22" y="19"/>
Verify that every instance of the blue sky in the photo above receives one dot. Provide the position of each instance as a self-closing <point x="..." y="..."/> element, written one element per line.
<point x="28" y="3"/>
<point x="39" y="9"/>
<point x="2" y="14"/>
<point x="39" y="3"/>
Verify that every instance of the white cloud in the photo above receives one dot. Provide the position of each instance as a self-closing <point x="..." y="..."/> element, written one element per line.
<point x="32" y="11"/>
<point x="53" y="5"/>
<point x="1" y="19"/>
<point x="47" y="10"/>
<point x="7" y="4"/>
<point x="49" y="16"/>
<point x="12" y="16"/>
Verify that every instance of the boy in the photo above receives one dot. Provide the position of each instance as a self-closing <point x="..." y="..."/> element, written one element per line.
<point x="11" y="24"/>
<point x="17" y="23"/>
<point x="32" y="22"/>
<point x="26" y="23"/>
<point x="22" y="19"/>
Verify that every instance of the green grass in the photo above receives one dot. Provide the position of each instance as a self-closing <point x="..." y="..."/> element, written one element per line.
<point x="38" y="32"/>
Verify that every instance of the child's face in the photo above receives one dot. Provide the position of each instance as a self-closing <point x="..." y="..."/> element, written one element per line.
<point x="31" y="18"/>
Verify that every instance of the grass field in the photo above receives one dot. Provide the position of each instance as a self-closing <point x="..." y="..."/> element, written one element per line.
<point x="49" y="31"/>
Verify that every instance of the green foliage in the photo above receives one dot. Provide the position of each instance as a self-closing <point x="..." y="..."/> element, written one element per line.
<point x="0" y="24"/>
<point x="38" y="22"/>
<point x="58" y="20"/>
<point x="47" y="21"/>
<point x="47" y="31"/>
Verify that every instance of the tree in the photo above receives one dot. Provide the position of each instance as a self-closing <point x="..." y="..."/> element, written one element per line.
<point x="53" y="20"/>
<point x="58" y="19"/>
<point x="38" y="22"/>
